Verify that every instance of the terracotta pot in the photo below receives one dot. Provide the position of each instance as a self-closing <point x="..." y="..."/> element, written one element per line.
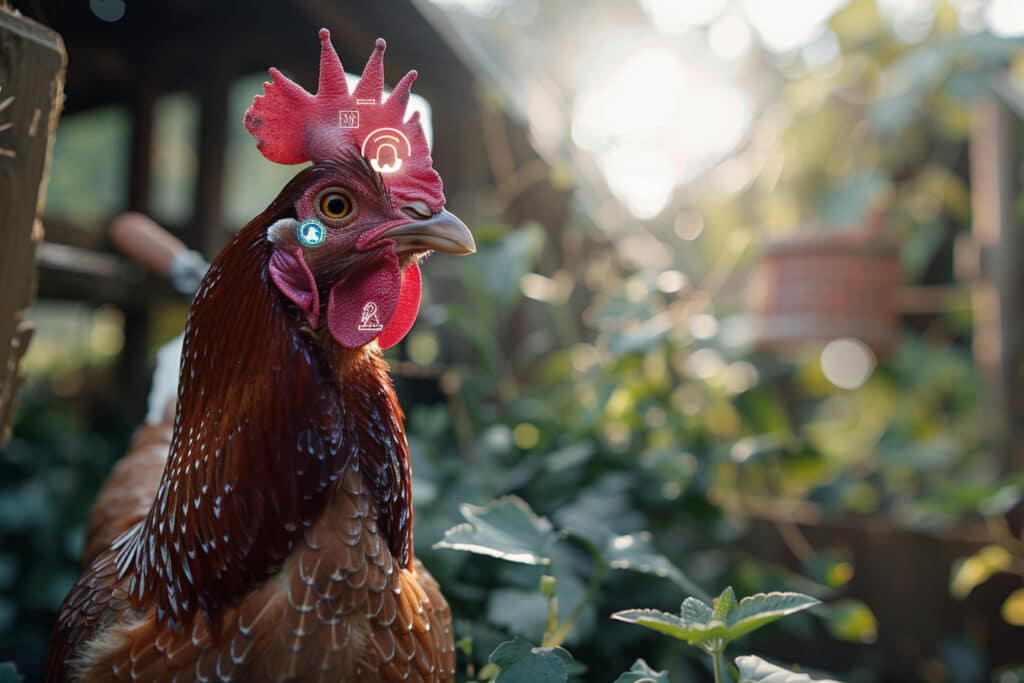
<point x="823" y="286"/>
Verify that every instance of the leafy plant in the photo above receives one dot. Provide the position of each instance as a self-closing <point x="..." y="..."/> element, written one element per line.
<point x="712" y="627"/>
<point x="1004" y="556"/>
<point x="509" y="530"/>
<point x="520" y="662"/>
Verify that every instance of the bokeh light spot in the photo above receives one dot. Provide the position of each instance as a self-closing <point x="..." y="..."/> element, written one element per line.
<point x="847" y="362"/>
<point x="525" y="435"/>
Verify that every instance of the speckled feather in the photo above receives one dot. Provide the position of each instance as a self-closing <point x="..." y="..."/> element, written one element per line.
<point x="279" y="542"/>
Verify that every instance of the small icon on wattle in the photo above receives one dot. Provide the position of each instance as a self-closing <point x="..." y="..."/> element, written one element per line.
<point x="368" y="322"/>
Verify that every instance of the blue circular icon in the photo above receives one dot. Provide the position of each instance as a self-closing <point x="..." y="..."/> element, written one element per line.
<point x="311" y="233"/>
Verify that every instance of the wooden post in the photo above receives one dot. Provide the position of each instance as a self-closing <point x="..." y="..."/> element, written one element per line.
<point x="132" y="364"/>
<point x="206" y="232"/>
<point x="998" y="294"/>
<point x="140" y="177"/>
<point x="32" y="63"/>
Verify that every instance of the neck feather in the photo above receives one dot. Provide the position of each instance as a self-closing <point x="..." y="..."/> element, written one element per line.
<point x="266" y="421"/>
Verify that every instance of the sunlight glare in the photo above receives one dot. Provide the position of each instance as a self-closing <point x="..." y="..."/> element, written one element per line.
<point x="730" y="37"/>
<point x="644" y="98"/>
<point x="911" y="19"/>
<point x="703" y="326"/>
<point x="704" y="364"/>
<point x="480" y="8"/>
<point x="642" y="180"/>
<point x="822" y="51"/>
<point x="786" y="25"/>
<point x="673" y="16"/>
<point x="656" y="121"/>
<point x="971" y="14"/>
<point x="1005" y="18"/>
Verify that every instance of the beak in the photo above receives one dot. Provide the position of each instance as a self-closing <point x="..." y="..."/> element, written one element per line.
<point x="443" y="232"/>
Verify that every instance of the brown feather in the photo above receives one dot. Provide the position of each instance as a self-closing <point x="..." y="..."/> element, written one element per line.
<point x="129" y="490"/>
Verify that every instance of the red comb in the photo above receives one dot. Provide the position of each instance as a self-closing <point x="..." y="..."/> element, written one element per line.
<point x="292" y="126"/>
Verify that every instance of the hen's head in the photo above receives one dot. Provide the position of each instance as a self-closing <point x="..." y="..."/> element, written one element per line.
<point x="366" y="211"/>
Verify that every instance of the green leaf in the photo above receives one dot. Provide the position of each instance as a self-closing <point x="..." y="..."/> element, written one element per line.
<point x="505" y="528"/>
<point x="724" y="605"/>
<point x="847" y="204"/>
<point x="713" y="627"/>
<point x="696" y="611"/>
<point x="850" y="620"/>
<point x="641" y="672"/>
<point x="9" y="673"/>
<point x="636" y="552"/>
<point x="756" y="670"/>
<point x="521" y="612"/>
<point x="1013" y="608"/>
<point x="694" y="633"/>
<point x="499" y="267"/>
<point x="970" y="572"/>
<point x="755" y="611"/>
<point x="834" y="571"/>
<point x="520" y="662"/>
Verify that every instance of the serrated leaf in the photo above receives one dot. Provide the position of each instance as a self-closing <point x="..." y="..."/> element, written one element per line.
<point x="699" y="634"/>
<point x="755" y="611"/>
<point x="695" y="611"/>
<point x="520" y="662"/>
<point x="724" y="604"/>
<point x="756" y="670"/>
<point x="505" y="528"/>
<point x="636" y="552"/>
<point x="641" y="672"/>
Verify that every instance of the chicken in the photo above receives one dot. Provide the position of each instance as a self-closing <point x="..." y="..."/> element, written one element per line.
<point x="275" y="540"/>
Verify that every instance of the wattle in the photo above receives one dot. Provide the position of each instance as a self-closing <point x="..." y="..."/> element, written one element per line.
<point x="379" y="302"/>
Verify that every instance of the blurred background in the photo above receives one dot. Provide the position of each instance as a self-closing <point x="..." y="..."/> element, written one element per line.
<point x="750" y="277"/>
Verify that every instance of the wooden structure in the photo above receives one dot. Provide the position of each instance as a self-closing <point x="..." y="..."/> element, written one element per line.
<point x="187" y="46"/>
<point x="994" y="262"/>
<point x="31" y="93"/>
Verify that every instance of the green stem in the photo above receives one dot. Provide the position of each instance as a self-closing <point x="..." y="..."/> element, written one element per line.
<point x="562" y="632"/>
<point x="548" y="590"/>
<point x="716" y="657"/>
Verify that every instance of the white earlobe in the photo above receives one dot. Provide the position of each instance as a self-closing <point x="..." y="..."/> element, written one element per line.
<point x="282" y="231"/>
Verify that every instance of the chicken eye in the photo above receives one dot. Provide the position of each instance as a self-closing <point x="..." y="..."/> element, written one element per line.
<point x="335" y="205"/>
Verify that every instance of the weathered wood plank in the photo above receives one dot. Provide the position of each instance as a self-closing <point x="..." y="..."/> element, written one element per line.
<point x="32" y="64"/>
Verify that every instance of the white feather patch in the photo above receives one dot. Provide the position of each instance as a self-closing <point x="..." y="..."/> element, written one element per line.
<point x="282" y="231"/>
<point x="164" y="389"/>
